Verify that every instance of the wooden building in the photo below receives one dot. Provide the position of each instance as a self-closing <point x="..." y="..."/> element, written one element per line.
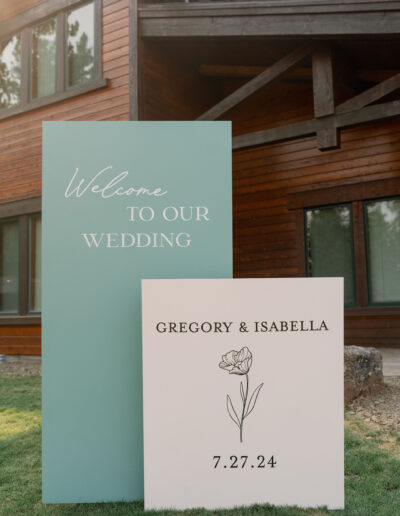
<point x="311" y="86"/>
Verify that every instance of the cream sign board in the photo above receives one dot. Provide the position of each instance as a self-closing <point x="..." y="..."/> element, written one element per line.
<point x="243" y="392"/>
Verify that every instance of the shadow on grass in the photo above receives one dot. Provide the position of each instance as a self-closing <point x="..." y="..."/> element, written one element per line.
<point x="372" y="474"/>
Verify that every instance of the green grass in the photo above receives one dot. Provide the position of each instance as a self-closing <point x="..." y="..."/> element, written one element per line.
<point x="372" y="468"/>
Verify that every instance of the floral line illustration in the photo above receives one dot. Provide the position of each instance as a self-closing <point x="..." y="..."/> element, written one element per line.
<point x="239" y="363"/>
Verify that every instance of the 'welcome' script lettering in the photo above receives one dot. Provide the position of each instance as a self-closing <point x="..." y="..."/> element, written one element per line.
<point x="110" y="187"/>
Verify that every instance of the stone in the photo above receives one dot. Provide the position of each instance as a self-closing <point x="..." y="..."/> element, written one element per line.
<point x="362" y="372"/>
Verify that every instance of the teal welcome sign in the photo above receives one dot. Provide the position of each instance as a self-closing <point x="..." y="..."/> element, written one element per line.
<point x="122" y="201"/>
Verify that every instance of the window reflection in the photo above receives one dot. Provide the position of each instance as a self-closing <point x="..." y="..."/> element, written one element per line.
<point x="10" y="71"/>
<point x="329" y="246"/>
<point x="383" y="236"/>
<point x="43" y="59"/>
<point x="80" y="45"/>
<point x="9" y="249"/>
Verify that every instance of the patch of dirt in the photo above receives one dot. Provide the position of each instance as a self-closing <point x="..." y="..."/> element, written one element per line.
<point x="382" y="409"/>
<point x="19" y="365"/>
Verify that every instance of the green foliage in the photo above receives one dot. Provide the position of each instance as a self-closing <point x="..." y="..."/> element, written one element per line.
<point x="10" y="72"/>
<point x="80" y="56"/>
<point x="330" y="244"/>
<point x="372" y="474"/>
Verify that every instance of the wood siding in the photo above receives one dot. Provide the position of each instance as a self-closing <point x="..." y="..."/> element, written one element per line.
<point x="266" y="232"/>
<point x="21" y="141"/>
<point x="20" y="340"/>
<point x="268" y="237"/>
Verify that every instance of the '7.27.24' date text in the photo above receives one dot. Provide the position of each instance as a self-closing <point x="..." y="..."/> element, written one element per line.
<point x="243" y="461"/>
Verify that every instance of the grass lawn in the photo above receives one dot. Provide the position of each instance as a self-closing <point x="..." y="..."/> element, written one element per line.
<point x="372" y="467"/>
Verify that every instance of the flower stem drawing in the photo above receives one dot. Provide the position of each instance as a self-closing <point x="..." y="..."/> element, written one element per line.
<point x="239" y="363"/>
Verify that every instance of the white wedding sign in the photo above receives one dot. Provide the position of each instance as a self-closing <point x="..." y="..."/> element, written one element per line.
<point x="243" y="392"/>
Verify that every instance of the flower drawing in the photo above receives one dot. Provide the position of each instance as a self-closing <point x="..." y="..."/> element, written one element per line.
<point x="239" y="363"/>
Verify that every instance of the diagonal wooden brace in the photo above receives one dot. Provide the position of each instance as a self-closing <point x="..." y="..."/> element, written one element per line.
<point x="263" y="79"/>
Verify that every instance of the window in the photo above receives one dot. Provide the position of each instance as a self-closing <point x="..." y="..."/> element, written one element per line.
<point x="20" y="259"/>
<point x="382" y="222"/>
<point x="56" y="58"/>
<point x="43" y="59"/>
<point x="329" y="246"/>
<point x="10" y="71"/>
<point x="80" y="45"/>
<point x="359" y="240"/>
<point x="9" y="277"/>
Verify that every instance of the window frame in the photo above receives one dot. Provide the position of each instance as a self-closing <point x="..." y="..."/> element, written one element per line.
<point x="356" y="194"/>
<point x="306" y="243"/>
<point x="31" y="216"/>
<point x="57" y="9"/>
<point x="22" y="211"/>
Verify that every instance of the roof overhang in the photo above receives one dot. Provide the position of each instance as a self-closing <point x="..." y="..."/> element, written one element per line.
<point x="279" y="18"/>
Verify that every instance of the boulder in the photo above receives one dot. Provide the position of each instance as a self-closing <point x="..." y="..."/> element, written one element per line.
<point x="362" y="372"/>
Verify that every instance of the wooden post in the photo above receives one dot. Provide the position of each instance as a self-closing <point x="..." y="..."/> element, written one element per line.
<point x="324" y="103"/>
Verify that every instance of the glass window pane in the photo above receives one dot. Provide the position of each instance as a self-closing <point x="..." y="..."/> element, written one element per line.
<point x="80" y="45"/>
<point x="35" y="263"/>
<point x="10" y="71"/>
<point x="329" y="239"/>
<point x="383" y="257"/>
<point x="9" y="249"/>
<point x="43" y="59"/>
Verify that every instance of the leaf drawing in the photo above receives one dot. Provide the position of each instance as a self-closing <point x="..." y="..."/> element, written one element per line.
<point x="253" y="399"/>
<point x="232" y="411"/>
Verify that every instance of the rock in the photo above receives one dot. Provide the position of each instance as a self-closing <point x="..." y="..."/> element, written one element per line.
<point x="362" y="372"/>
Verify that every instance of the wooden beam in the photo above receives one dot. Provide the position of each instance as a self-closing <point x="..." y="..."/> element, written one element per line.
<point x="276" y="134"/>
<point x="296" y="74"/>
<point x="370" y="95"/>
<point x="241" y="19"/>
<point x="328" y="136"/>
<point x="343" y="193"/>
<point x="309" y="127"/>
<point x="322" y="74"/>
<point x="247" y="72"/>
<point x="21" y="207"/>
<point x="368" y="114"/>
<point x="263" y="79"/>
<point x="324" y="104"/>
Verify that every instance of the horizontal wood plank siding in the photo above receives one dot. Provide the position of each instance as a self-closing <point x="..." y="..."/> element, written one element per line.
<point x="20" y="340"/>
<point x="265" y="233"/>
